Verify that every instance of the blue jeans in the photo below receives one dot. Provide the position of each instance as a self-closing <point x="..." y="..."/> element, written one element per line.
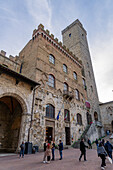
<point x="60" y="151"/>
<point x="53" y="153"/>
<point x="22" y="153"/>
<point x="110" y="154"/>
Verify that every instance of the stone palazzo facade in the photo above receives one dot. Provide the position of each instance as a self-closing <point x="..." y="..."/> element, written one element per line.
<point x="54" y="95"/>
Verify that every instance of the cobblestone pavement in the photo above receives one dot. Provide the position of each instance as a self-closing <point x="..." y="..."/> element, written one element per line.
<point x="69" y="161"/>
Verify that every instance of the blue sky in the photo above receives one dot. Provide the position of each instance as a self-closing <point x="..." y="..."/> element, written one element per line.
<point x="19" y="18"/>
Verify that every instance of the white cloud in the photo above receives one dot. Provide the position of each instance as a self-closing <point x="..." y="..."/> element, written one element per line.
<point x="41" y="11"/>
<point x="103" y="64"/>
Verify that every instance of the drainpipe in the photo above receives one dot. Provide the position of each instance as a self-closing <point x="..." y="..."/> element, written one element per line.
<point x="32" y="109"/>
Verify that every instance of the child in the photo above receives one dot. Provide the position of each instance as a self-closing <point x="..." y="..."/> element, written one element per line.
<point x="22" y="146"/>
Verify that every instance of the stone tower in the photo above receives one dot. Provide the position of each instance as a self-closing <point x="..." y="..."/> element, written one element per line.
<point x="75" y="38"/>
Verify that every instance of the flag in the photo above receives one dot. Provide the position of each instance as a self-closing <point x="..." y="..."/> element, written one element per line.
<point x="87" y="104"/>
<point x="66" y="116"/>
<point x="58" y="114"/>
<point x="60" y="111"/>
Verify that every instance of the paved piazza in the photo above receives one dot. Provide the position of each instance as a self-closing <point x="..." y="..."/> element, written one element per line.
<point x="69" y="162"/>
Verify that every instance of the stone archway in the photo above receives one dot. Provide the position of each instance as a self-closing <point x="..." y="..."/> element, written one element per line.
<point x="11" y="110"/>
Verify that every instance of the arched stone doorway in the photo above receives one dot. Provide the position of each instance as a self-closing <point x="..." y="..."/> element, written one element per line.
<point x="10" y="123"/>
<point x="89" y="118"/>
<point x="95" y="116"/>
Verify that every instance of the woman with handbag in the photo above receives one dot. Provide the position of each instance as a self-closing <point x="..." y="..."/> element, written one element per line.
<point x="48" y="153"/>
<point x="102" y="154"/>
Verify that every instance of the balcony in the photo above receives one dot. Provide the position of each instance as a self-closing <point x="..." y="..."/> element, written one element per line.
<point x="98" y="123"/>
<point x="68" y="95"/>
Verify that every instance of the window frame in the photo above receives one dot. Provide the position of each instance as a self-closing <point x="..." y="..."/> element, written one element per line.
<point x="51" y="81"/>
<point x="50" y="111"/>
<point x="67" y="87"/>
<point x="65" y="69"/>
<point x="79" y="118"/>
<point x="75" y="75"/>
<point x="51" y="59"/>
<point x="68" y="117"/>
<point x="77" y="94"/>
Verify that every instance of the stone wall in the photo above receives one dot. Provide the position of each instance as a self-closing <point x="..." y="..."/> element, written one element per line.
<point x="107" y="115"/>
<point x="23" y="94"/>
<point x="10" y="62"/>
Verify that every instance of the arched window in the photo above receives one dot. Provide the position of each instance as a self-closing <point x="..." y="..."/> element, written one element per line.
<point x="66" y="115"/>
<point x="89" y="118"/>
<point x="51" y="59"/>
<point x="89" y="74"/>
<point x="79" y="119"/>
<point x="95" y="116"/>
<point x="83" y="72"/>
<point x="77" y="95"/>
<point x="87" y="64"/>
<point x="65" y="87"/>
<point x="51" y="81"/>
<point x="75" y="75"/>
<point x="50" y="111"/>
<point x="64" y="68"/>
<point x="84" y="83"/>
<point x="91" y="88"/>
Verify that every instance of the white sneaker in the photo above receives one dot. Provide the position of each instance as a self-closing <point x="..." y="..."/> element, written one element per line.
<point x="102" y="168"/>
<point x="48" y="162"/>
<point x="44" y="162"/>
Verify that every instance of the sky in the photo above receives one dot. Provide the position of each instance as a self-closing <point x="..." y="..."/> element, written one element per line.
<point x="19" y="18"/>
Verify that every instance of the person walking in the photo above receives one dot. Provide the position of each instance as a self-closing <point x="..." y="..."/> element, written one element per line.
<point x="96" y="142"/>
<point x="22" y="146"/>
<point x="89" y="143"/>
<point x="108" y="147"/>
<point x="53" y="151"/>
<point x="103" y="142"/>
<point x="45" y="146"/>
<point x="102" y="154"/>
<point x="48" y="153"/>
<point x="60" y="148"/>
<point x="83" y="150"/>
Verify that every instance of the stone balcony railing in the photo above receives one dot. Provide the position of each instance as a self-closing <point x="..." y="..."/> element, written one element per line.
<point x="68" y="95"/>
<point x="98" y="123"/>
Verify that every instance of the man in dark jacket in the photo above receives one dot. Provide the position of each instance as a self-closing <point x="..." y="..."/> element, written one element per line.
<point x="83" y="150"/>
<point x="60" y="148"/>
<point x="108" y="147"/>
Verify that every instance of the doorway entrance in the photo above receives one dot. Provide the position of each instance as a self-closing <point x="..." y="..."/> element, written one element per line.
<point x="10" y="120"/>
<point x="49" y="133"/>
<point x="67" y="134"/>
